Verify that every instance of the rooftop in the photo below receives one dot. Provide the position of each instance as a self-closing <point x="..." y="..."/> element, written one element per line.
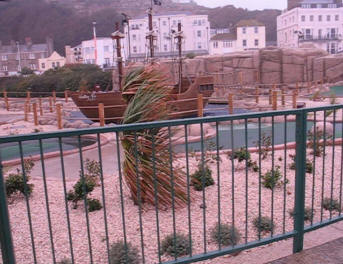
<point x="168" y="13"/>
<point x="249" y="23"/>
<point x="24" y="48"/>
<point x="224" y="36"/>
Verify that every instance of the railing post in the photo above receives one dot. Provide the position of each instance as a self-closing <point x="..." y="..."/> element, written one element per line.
<point x="299" y="206"/>
<point x="50" y="105"/>
<point x="35" y="116"/>
<point x="274" y="100"/>
<point x="59" y="116"/>
<point x="6" y="242"/>
<point x="257" y="94"/>
<point x="54" y="96"/>
<point x="40" y="106"/>
<point x="66" y="96"/>
<point x="200" y="105"/>
<point x="6" y="101"/>
<point x="101" y="110"/>
<point x="230" y="103"/>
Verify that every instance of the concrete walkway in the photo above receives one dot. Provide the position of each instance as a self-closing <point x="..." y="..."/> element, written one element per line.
<point x="329" y="253"/>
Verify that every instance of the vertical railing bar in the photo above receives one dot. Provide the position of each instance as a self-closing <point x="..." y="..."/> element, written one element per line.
<point x="273" y="173"/>
<point x="333" y="158"/>
<point x="121" y="195"/>
<point x="156" y="199"/>
<point x="314" y="165"/>
<point x="6" y="241"/>
<point x="188" y="194"/>
<point x="103" y="197"/>
<point x="85" y="200"/>
<point x="246" y="180"/>
<point x="259" y="177"/>
<point x="139" y="198"/>
<point x="284" y="176"/>
<point x="300" y="182"/>
<point x="203" y="186"/>
<point x="341" y="176"/>
<point x="323" y="172"/>
<point x="218" y="186"/>
<point x="66" y="200"/>
<point x="233" y="176"/>
<point x="47" y="201"/>
<point x="173" y="190"/>
<point x="27" y="201"/>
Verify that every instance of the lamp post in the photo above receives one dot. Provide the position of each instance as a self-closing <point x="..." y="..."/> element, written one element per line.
<point x="126" y="20"/>
<point x="19" y="56"/>
<point x="117" y="36"/>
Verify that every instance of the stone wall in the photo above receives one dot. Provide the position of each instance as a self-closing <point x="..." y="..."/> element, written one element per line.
<point x="270" y="65"/>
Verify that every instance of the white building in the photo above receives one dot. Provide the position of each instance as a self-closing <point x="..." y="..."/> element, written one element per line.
<point x="54" y="61"/>
<point x="249" y="35"/>
<point x="316" y="22"/>
<point x="196" y="31"/>
<point x="105" y="54"/>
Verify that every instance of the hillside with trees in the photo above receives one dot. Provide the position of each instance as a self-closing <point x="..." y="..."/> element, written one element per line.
<point x="70" y="21"/>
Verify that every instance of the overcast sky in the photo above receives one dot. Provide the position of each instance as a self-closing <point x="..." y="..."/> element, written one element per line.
<point x="250" y="4"/>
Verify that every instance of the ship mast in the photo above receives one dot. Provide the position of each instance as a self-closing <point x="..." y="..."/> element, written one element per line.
<point x="117" y="36"/>
<point x="179" y="37"/>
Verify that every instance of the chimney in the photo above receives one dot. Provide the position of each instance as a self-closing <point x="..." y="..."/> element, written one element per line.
<point x="28" y="41"/>
<point x="50" y="45"/>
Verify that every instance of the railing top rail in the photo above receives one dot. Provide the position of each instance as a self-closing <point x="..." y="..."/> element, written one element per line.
<point x="166" y="123"/>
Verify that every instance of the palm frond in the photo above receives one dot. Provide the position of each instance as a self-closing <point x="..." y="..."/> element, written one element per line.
<point x="146" y="165"/>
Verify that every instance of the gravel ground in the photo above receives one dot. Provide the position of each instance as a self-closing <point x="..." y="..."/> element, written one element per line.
<point x="59" y="231"/>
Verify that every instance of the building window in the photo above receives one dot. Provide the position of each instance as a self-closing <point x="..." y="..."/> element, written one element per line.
<point x="164" y="23"/>
<point x="227" y="44"/>
<point x="303" y="18"/>
<point x="4" y="57"/>
<point x="256" y="42"/>
<point x="165" y="47"/>
<point x="4" y="68"/>
<point x="332" y="5"/>
<point x="134" y="37"/>
<point x="19" y="68"/>
<point x="57" y="64"/>
<point x="134" y="49"/>
<point x="53" y="65"/>
<point x="244" y="42"/>
<point x="244" y="30"/>
<point x="337" y="17"/>
<point x="106" y="48"/>
<point x="31" y="56"/>
<point x="311" y="18"/>
<point x="256" y="30"/>
<point x="306" y="5"/>
<point x="174" y="23"/>
<point x="328" y="18"/>
<point x="107" y="61"/>
<point x="215" y="44"/>
<point x="33" y="66"/>
<point x="43" y="65"/>
<point x="319" y="33"/>
<point x="320" y="18"/>
<point x="199" y="33"/>
<point x="319" y="5"/>
<point x="199" y="45"/>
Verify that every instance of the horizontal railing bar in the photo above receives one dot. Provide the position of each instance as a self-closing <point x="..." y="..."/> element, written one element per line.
<point x="160" y="124"/>
<point x="323" y="224"/>
<point x="230" y="250"/>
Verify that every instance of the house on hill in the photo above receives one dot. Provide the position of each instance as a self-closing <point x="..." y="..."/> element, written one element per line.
<point x="249" y="35"/>
<point x="54" y="61"/>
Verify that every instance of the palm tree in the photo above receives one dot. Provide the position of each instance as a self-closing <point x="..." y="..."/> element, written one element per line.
<point x="147" y="158"/>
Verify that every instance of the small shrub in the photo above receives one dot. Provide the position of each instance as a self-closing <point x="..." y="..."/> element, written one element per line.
<point x="197" y="177"/>
<point x="308" y="215"/>
<point x="263" y="224"/>
<point x="64" y="261"/>
<point x="181" y="246"/>
<point x="190" y="55"/>
<point x="241" y="155"/>
<point x="266" y="143"/>
<point x="93" y="169"/>
<point x="309" y="164"/>
<point x="121" y="254"/>
<point x="94" y="205"/>
<point x="272" y="178"/>
<point x="315" y="142"/>
<point x="316" y="96"/>
<point x="225" y="235"/>
<point x="78" y="193"/>
<point x="15" y="182"/>
<point x="331" y="205"/>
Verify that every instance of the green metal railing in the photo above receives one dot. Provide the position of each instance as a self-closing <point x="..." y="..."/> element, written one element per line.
<point x="238" y="197"/>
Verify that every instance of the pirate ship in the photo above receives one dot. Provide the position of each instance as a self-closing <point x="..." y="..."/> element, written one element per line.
<point x="183" y="98"/>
